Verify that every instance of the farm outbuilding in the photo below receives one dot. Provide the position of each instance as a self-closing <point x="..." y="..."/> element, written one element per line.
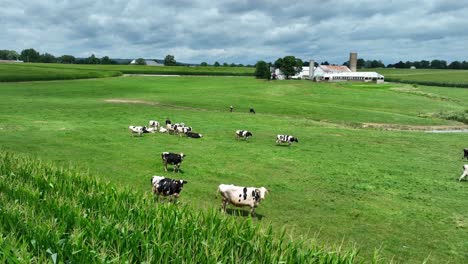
<point x="149" y="62"/>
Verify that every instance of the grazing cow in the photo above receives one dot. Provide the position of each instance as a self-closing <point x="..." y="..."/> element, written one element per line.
<point x="465" y="172"/>
<point x="285" y="139"/>
<point x="173" y="159"/>
<point x="193" y="134"/>
<point x="243" y="134"/>
<point x="168" y="121"/>
<point x="166" y="186"/>
<point x="465" y="153"/>
<point x="242" y="196"/>
<point x="252" y="111"/>
<point x="151" y="130"/>
<point x="153" y="123"/>
<point x="136" y="130"/>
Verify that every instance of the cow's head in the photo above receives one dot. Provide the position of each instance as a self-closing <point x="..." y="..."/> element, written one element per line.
<point x="177" y="187"/>
<point x="248" y="134"/>
<point x="296" y="140"/>
<point x="182" y="156"/>
<point x="262" y="191"/>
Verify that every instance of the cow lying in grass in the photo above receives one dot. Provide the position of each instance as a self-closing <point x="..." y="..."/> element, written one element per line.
<point x="243" y="134"/>
<point x="173" y="159"/>
<point x="241" y="196"/>
<point x="155" y="124"/>
<point x="136" y="130"/>
<point x="191" y="134"/>
<point x="285" y="139"/>
<point x="167" y="187"/>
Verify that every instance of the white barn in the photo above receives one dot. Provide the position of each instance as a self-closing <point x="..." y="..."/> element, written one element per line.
<point x="333" y="73"/>
<point x="148" y="63"/>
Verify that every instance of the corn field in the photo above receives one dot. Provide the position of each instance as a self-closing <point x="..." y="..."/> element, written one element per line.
<point x="55" y="215"/>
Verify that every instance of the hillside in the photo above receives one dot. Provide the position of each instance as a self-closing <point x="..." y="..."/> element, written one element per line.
<point x="51" y="214"/>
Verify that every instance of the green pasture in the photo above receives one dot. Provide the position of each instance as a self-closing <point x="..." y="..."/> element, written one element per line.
<point x="55" y="71"/>
<point x="432" y="77"/>
<point x="396" y="191"/>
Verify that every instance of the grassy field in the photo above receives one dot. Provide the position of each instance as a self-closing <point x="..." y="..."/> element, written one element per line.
<point x="83" y="220"/>
<point x="394" y="190"/>
<point x="432" y="77"/>
<point x="37" y="72"/>
<point x="54" y="71"/>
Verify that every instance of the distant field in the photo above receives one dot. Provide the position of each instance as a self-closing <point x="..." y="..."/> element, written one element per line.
<point x="38" y="72"/>
<point x="54" y="71"/>
<point x="449" y="78"/>
<point x="395" y="190"/>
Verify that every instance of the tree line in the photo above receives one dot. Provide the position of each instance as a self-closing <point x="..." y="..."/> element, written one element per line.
<point x="31" y="55"/>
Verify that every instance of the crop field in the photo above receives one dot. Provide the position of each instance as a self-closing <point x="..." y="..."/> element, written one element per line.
<point x="37" y="72"/>
<point x="54" y="71"/>
<point x="363" y="173"/>
<point x="426" y="76"/>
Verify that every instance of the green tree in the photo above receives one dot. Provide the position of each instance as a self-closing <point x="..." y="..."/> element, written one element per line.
<point x="66" y="59"/>
<point x="140" y="61"/>
<point x="30" y="55"/>
<point x="92" y="60"/>
<point x="47" y="58"/>
<point x="106" y="60"/>
<point x="262" y="70"/>
<point x="9" y="55"/>
<point x="225" y="64"/>
<point x="204" y="64"/>
<point x="169" y="60"/>
<point x="216" y="64"/>
<point x="289" y="66"/>
<point x="360" y="63"/>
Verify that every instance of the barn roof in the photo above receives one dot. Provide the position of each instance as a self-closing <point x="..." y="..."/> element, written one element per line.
<point x="334" y="68"/>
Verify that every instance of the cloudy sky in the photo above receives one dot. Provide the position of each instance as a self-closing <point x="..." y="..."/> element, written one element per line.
<point x="239" y="31"/>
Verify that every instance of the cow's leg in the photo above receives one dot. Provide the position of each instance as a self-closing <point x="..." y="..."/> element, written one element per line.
<point x="223" y="205"/>
<point x="252" y="211"/>
<point x="465" y="172"/>
<point x="165" y="166"/>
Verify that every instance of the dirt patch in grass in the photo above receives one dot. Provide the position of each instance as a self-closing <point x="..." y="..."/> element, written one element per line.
<point x="415" y="91"/>
<point x="412" y="127"/>
<point x="136" y="101"/>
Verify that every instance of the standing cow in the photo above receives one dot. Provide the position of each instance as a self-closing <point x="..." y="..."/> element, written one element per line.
<point x="155" y="124"/>
<point x="465" y="172"/>
<point x="136" y="130"/>
<point x="243" y="134"/>
<point x="285" y="139"/>
<point x="241" y="196"/>
<point x="167" y="187"/>
<point x="174" y="159"/>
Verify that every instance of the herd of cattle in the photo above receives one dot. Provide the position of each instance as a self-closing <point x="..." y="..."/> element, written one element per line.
<point x="172" y="129"/>
<point x="236" y="195"/>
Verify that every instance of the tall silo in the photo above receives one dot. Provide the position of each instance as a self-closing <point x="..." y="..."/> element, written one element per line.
<point x="353" y="61"/>
<point x="311" y="69"/>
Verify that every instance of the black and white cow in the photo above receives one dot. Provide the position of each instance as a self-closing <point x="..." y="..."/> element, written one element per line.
<point x="465" y="153"/>
<point x="241" y="196"/>
<point x="183" y="129"/>
<point x="136" y="130"/>
<point x="174" y="159"/>
<point x="243" y="134"/>
<point x="465" y="172"/>
<point x="285" y="139"/>
<point x="171" y="128"/>
<point x="166" y="186"/>
<point x="191" y="134"/>
<point x="252" y="111"/>
<point x="153" y="123"/>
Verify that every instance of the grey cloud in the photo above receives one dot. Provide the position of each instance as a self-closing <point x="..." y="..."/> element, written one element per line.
<point x="238" y="31"/>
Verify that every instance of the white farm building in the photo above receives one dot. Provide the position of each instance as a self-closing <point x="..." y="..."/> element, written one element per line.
<point x="148" y="62"/>
<point x="334" y="73"/>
